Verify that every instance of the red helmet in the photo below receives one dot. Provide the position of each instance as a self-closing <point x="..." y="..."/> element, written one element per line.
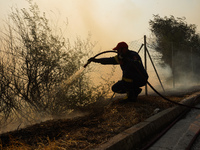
<point x="121" y="45"/>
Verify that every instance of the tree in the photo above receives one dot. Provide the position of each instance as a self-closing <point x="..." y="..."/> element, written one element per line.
<point x="34" y="63"/>
<point x="175" y="39"/>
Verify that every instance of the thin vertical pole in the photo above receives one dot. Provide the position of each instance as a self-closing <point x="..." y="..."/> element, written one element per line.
<point x="145" y="60"/>
<point x="173" y="72"/>
<point x="154" y="68"/>
<point x="192" y="64"/>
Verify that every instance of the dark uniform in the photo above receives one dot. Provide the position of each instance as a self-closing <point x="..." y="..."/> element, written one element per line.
<point x="134" y="75"/>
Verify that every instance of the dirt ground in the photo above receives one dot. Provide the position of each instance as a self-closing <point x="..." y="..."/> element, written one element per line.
<point x="89" y="131"/>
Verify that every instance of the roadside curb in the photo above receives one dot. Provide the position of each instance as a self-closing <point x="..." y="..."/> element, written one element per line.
<point x="134" y="136"/>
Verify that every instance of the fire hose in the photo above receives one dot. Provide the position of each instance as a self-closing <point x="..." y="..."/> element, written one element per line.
<point x="165" y="98"/>
<point x="110" y="51"/>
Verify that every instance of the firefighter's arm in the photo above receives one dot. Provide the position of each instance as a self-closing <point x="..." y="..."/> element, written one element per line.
<point x="105" y="61"/>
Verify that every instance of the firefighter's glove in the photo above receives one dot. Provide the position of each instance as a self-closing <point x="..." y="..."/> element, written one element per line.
<point x="92" y="59"/>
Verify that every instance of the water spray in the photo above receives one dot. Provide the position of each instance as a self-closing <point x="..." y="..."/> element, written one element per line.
<point x="71" y="79"/>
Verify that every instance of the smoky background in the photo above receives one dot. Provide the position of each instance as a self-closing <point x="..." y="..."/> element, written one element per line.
<point x="107" y="30"/>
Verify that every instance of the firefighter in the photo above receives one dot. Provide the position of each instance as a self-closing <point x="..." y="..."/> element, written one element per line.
<point x="134" y="76"/>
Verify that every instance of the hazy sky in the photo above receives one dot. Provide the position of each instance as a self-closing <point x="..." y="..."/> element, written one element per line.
<point x="110" y="21"/>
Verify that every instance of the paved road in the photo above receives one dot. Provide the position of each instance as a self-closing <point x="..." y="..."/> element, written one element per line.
<point x="180" y="135"/>
<point x="196" y="145"/>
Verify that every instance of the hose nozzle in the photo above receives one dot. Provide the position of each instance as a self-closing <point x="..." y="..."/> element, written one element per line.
<point x="88" y="62"/>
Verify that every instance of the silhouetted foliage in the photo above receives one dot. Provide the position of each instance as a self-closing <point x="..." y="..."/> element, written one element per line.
<point x="34" y="65"/>
<point x="177" y="41"/>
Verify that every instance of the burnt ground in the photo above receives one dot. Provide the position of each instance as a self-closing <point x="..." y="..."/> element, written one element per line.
<point x="101" y="123"/>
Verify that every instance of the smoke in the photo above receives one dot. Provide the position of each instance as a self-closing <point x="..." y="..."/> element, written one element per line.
<point x="181" y="76"/>
<point x="109" y="22"/>
<point x="17" y="123"/>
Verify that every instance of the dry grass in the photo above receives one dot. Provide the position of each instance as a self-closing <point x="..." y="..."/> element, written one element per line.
<point x="85" y="132"/>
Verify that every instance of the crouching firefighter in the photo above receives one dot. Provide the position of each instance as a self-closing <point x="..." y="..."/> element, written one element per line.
<point x="134" y="75"/>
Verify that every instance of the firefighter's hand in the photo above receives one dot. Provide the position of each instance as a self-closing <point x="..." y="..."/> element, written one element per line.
<point x="92" y="59"/>
<point x="89" y="61"/>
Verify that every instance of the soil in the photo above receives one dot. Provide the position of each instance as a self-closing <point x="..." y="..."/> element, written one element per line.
<point x="102" y="122"/>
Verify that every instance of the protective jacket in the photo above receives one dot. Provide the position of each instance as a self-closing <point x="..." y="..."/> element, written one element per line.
<point x="131" y="65"/>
